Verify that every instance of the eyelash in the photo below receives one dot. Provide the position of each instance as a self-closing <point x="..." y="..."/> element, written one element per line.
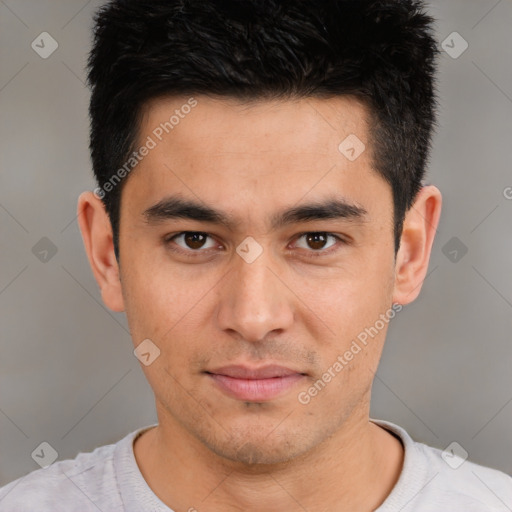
<point x="195" y="253"/>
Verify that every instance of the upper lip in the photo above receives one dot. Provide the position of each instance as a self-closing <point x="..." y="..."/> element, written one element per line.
<point x="245" y="372"/>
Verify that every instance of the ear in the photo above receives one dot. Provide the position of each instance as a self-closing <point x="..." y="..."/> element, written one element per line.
<point x="97" y="236"/>
<point x="419" y="229"/>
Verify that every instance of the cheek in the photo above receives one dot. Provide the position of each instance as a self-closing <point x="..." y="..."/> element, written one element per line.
<point x="347" y="303"/>
<point x="155" y="294"/>
<point x="164" y="310"/>
<point x="150" y="306"/>
<point x="349" y="310"/>
<point x="168" y="308"/>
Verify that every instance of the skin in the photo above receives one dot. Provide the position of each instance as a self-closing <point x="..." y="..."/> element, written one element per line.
<point x="211" y="451"/>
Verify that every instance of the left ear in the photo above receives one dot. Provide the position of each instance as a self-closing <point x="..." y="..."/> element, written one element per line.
<point x="419" y="229"/>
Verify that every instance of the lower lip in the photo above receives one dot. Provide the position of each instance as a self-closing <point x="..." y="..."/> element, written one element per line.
<point x="256" y="389"/>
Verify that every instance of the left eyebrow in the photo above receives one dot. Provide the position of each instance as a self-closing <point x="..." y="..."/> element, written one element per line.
<point x="325" y="210"/>
<point x="174" y="207"/>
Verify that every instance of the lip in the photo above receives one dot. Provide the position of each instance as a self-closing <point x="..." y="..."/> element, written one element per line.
<point x="255" y="384"/>
<point x="245" y="372"/>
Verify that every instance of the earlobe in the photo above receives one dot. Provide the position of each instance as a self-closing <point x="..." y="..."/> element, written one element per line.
<point x="419" y="229"/>
<point x="97" y="237"/>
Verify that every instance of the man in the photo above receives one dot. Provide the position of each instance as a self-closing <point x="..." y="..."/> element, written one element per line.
<point x="261" y="216"/>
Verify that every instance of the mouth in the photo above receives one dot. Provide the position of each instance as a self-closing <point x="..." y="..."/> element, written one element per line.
<point x="255" y="384"/>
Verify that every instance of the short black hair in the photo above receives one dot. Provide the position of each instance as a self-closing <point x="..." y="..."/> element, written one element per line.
<point x="382" y="52"/>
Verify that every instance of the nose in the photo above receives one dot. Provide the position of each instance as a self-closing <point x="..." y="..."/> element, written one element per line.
<point x="254" y="300"/>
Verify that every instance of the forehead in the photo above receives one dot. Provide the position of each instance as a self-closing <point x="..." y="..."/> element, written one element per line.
<point x="242" y="124"/>
<point x="224" y="151"/>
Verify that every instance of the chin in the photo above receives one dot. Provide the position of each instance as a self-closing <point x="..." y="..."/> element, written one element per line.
<point x="257" y="448"/>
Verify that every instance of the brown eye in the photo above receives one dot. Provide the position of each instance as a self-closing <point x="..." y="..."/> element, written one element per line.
<point x="317" y="241"/>
<point x="192" y="240"/>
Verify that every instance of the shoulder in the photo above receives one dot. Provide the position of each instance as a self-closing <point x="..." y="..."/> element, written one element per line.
<point x="456" y="476"/>
<point x="83" y="483"/>
<point x="434" y="479"/>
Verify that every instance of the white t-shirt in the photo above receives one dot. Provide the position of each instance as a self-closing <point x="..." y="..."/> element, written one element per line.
<point x="109" y="480"/>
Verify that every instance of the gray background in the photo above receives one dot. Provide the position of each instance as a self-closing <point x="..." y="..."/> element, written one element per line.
<point x="68" y="375"/>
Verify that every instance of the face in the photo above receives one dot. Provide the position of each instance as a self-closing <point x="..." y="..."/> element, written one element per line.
<point x="296" y="293"/>
<point x="257" y="257"/>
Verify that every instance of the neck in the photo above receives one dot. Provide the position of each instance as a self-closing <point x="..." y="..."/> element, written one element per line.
<point x="355" y="469"/>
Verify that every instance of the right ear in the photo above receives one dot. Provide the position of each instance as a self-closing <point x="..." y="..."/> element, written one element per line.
<point x="96" y="232"/>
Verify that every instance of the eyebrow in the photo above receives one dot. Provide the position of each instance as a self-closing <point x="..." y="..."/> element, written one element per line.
<point x="174" y="207"/>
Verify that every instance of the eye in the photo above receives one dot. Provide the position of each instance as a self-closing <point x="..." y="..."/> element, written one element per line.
<point x="195" y="243"/>
<point x="191" y="241"/>
<point x="316" y="242"/>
